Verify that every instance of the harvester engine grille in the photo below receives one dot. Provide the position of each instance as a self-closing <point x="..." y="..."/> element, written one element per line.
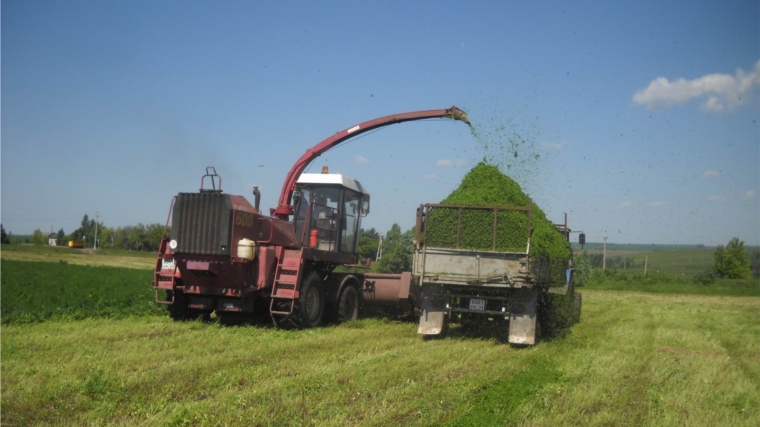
<point x="201" y="223"/>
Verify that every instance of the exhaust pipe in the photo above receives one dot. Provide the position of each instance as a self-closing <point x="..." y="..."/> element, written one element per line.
<point x="256" y="197"/>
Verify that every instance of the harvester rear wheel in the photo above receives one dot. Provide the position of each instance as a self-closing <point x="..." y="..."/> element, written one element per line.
<point x="311" y="304"/>
<point x="348" y="305"/>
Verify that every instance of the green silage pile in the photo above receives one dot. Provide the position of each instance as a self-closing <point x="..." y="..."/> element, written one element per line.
<point x="485" y="185"/>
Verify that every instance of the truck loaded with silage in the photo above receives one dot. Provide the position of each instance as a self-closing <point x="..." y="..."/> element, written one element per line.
<point x="488" y="253"/>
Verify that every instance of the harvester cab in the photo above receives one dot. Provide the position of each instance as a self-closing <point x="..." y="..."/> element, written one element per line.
<point x="328" y="211"/>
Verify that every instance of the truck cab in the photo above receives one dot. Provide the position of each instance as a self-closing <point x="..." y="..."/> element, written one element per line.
<point x="328" y="212"/>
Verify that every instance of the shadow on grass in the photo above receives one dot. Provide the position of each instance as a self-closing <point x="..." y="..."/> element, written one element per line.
<point x="496" y="331"/>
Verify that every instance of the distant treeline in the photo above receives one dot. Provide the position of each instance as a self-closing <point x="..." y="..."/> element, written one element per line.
<point x="592" y="246"/>
<point x="138" y="237"/>
<point x="597" y="261"/>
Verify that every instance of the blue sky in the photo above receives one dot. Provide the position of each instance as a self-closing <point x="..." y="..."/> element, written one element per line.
<point x="644" y="116"/>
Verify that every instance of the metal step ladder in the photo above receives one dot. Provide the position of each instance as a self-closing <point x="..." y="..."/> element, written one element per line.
<point x="287" y="278"/>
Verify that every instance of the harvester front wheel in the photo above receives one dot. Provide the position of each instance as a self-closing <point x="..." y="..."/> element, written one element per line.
<point x="311" y="304"/>
<point x="348" y="305"/>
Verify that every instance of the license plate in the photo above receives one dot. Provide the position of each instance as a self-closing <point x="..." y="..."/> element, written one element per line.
<point x="477" y="304"/>
<point x="167" y="264"/>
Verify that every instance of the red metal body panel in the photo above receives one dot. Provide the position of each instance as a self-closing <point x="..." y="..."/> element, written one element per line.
<point x="285" y="209"/>
<point x="386" y="289"/>
<point x="266" y="264"/>
<point x="214" y="271"/>
<point x="248" y="223"/>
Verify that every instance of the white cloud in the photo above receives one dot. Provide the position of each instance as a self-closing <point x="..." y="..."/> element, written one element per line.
<point x="710" y="174"/>
<point x="461" y="163"/>
<point x="750" y="194"/>
<point x="625" y="205"/>
<point x="656" y="204"/>
<point x="358" y="158"/>
<point x="715" y="199"/>
<point x="430" y="176"/>
<point x="551" y="146"/>
<point x="444" y="163"/>
<point x="720" y="91"/>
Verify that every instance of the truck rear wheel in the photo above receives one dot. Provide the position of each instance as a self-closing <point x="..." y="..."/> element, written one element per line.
<point x="348" y="305"/>
<point x="311" y="304"/>
<point x="548" y="317"/>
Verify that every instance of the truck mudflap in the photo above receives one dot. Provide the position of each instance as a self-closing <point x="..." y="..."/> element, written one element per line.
<point x="522" y="325"/>
<point x="433" y="309"/>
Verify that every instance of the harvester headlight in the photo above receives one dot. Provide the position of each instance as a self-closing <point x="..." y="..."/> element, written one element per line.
<point x="173" y="244"/>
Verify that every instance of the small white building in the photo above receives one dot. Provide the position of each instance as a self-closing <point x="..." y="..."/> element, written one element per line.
<point x="52" y="239"/>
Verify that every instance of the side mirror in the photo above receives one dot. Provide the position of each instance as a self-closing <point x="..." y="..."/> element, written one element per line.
<point x="582" y="239"/>
<point x="364" y="208"/>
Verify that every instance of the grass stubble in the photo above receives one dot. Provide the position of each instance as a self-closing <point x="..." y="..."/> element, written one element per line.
<point x="635" y="359"/>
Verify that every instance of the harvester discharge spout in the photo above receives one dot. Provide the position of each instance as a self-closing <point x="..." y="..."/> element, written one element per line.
<point x="285" y="208"/>
<point x="457" y="114"/>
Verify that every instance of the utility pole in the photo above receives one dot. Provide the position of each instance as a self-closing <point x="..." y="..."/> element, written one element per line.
<point x="379" y="249"/>
<point x="604" y="256"/>
<point x="95" y="244"/>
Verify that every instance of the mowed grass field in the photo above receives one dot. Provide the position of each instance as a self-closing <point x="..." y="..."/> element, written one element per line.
<point x="636" y="358"/>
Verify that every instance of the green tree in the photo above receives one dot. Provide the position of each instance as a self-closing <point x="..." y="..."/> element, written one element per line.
<point x="3" y="236"/>
<point x="732" y="262"/>
<point x="86" y="230"/>
<point x="754" y="259"/>
<point x="368" y="242"/>
<point x="136" y="237"/>
<point x="38" y="238"/>
<point x="397" y="251"/>
<point x="120" y="238"/>
<point x="105" y="235"/>
<point x="582" y="269"/>
<point x="153" y="235"/>
<point x="60" y="238"/>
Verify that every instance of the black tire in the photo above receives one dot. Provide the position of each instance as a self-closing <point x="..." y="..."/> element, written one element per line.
<point x="548" y="318"/>
<point x="311" y="304"/>
<point x="178" y="310"/>
<point x="348" y="305"/>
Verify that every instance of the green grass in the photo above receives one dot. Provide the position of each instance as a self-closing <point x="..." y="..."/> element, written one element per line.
<point x="635" y="359"/>
<point x="38" y="291"/>
<point x="656" y="357"/>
